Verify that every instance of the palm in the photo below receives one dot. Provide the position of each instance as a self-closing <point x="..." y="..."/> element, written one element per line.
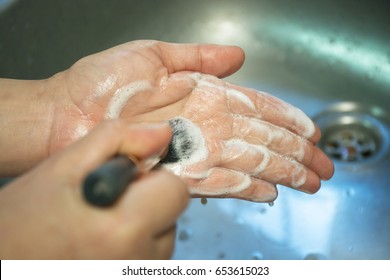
<point x="91" y="84"/>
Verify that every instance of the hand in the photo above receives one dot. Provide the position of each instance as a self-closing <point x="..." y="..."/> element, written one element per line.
<point x="44" y="116"/>
<point x="130" y="81"/>
<point x="243" y="142"/>
<point x="149" y="81"/>
<point x="43" y="214"/>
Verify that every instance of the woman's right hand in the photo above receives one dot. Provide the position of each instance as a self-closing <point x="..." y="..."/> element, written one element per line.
<point x="44" y="216"/>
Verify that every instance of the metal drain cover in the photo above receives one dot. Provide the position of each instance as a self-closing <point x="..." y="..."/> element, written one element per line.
<point x="353" y="142"/>
<point x="354" y="133"/>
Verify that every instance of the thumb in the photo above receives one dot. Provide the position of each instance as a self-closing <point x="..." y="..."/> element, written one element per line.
<point x="112" y="138"/>
<point x="217" y="60"/>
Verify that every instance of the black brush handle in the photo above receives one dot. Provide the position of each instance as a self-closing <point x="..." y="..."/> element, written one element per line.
<point x="104" y="185"/>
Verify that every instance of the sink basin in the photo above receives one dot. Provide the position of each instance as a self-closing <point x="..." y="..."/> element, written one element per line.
<point x="332" y="61"/>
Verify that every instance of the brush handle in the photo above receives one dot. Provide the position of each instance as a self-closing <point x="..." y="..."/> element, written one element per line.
<point x="104" y="185"/>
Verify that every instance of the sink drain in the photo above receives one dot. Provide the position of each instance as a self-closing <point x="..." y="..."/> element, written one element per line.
<point x="353" y="133"/>
<point x="351" y="143"/>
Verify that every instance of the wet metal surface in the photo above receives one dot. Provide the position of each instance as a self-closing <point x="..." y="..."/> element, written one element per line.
<point x="354" y="133"/>
<point x="310" y="53"/>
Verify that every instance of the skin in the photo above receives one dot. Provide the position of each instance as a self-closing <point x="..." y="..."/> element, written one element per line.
<point x="240" y="132"/>
<point x="57" y="108"/>
<point x="39" y="119"/>
<point x="43" y="214"/>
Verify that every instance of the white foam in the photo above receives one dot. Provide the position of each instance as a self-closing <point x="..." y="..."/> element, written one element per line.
<point x="238" y="95"/>
<point x="297" y="116"/>
<point x="266" y="158"/>
<point x="256" y="149"/>
<point x="122" y="96"/>
<point x="246" y="183"/>
<point x="199" y="153"/>
<point x="306" y="126"/>
<point x="263" y="128"/>
<point x="299" y="177"/>
<point x="231" y="94"/>
<point x="299" y="153"/>
<point x="279" y="134"/>
<point x="218" y="190"/>
<point x="303" y="123"/>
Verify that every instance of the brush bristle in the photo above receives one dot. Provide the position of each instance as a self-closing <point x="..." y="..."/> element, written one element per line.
<point x="181" y="146"/>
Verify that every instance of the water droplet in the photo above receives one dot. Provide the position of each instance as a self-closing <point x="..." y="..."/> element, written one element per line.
<point x="184" y="234"/>
<point x="257" y="256"/>
<point x="271" y="204"/>
<point x="221" y="255"/>
<point x="262" y="210"/>
<point x="203" y="200"/>
<point x="351" y="248"/>
<point x="350" y="192"/>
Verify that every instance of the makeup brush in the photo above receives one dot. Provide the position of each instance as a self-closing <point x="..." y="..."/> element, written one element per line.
<point x="103" y="186"/>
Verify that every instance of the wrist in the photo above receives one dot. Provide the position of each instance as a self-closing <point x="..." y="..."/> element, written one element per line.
<point x="25" y="122"/>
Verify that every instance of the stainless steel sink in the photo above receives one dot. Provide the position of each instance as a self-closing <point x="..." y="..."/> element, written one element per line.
<point x="332" y="59"/>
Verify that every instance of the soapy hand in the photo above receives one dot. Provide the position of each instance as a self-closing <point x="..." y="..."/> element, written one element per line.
<point x="128" y="81"/>
<point x="247" y="141"/>
<point x="243" y="142"/>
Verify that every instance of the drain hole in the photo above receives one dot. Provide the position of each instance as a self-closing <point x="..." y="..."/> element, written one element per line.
<point x="351" y="134"/>
<point x="353" y="142"/>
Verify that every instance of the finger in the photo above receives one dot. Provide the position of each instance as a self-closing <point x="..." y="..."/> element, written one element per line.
<point x="216" y="60"/>
<point x="115" y="137"/>
<point x="158" y="199"/>
<point x="283" y="142"/>
<point x="219" y="182"/>
<point x="274" y="110"/>
<point x="251" y="103"/>
<point x="317" y="134"/>
<point x="258" y="191"/>
<point x="275" y="138"/>
<point x="173" y="91"/>
<point x="222" y="182"/>
<point x="262" y="163"/>
<point x="321" y="164"/>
